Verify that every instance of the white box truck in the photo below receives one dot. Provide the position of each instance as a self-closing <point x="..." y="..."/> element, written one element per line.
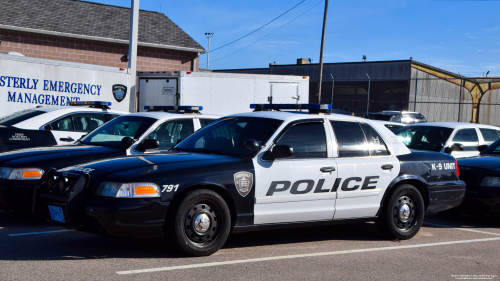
<point x="30" y="82"/>
<point x="219" y="93"/>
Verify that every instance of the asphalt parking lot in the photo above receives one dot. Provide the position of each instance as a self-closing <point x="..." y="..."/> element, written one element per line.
<point x="465" y="248"/>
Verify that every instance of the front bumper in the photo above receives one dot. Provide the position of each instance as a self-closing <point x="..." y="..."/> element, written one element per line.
<point x="16" y="194"/>
<point x="445" y="195"/>
<point x="482" y="199"/>
<point x="136" y="217"/>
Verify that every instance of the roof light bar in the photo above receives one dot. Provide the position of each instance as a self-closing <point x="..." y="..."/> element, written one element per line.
<point x="99" y="104"/>
<point x="182" y="108"/>
<point x="313" y="108"/>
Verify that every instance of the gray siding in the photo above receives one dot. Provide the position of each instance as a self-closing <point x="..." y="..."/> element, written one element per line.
<point x="488" y="114"/>
<point x="433" y="89"/>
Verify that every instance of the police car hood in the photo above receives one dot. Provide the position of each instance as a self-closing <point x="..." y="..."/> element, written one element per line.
<point x="118" y="164"/>
<point x="491" y="163"/>
<point x="54" y="155"/>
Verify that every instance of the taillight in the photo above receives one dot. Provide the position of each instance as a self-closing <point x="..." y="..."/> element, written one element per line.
<point x="456" y="165"/>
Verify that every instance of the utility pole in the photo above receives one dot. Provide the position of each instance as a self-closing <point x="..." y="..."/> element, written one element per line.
<point x="208" y="35"/>
<point x="321" y="52"/>
<point x="132" y="49"/>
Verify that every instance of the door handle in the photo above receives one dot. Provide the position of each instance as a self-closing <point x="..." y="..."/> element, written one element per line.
<point x="327" y="169"/>
<point x="68" y="139"/>
<point x="387" y="167"/>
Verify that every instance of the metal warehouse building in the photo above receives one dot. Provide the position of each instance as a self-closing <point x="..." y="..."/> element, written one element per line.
<point x="93" y="33"/>
<point x="398" y="85"/>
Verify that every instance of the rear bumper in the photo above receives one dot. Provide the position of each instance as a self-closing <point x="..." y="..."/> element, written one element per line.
<point x="16" y="194"/>
<point x="445" y="195"/>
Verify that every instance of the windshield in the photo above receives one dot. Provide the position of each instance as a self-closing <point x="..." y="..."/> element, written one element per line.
<point x="494" y="148"/>
<point x="112" y="133"/>
<point x="227" y="136"/>
<point x="381" y="117"/>
<point x="17" y="117"/>
<point x="423" y="137"/>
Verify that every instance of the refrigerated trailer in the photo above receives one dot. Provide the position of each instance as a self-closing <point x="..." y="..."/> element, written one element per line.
<point x="219" y="93"/>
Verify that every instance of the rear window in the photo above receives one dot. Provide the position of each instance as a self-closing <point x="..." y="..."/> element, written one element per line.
<point x="20" y="116"/>
<point x="489" y="135"/>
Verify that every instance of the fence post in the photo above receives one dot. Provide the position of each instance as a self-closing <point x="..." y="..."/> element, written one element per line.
<point x="333" y="85"/>
<point x="460" y="101"/>
<point x="415" y="103"/>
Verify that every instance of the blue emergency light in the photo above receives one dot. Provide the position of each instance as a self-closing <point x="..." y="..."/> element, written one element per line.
<point x="313" y="108"/>
<point x="100" y="104"/>
<point x="182" y="108"/>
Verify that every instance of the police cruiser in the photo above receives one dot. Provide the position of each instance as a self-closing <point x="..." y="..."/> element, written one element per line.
<point x="46" y="126"/>
<point x="256" y="170"/>
<point x="147" y="132"/>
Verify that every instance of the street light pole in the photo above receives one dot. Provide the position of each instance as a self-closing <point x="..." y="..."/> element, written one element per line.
<point x="321" y="52"/>
<point x="208" y="35"/>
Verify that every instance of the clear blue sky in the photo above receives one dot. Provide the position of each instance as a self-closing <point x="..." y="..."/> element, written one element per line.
<point x="458" y="36"/>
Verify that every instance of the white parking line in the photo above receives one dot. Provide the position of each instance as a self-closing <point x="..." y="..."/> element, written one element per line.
<point x="462" y="228"/>
<point x="41" y="232"/>
<point x="211" y="264"/>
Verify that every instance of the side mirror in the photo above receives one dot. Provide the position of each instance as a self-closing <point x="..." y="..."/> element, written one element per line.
<point x="457" y="147"/>
<point x="127" y="142"/>
<point x="278" y="152"/>
<point x="482" y="147"/>
<point x="150" y="144"/>
<point x="253" y="145"/>
<point x="439" y="146"/>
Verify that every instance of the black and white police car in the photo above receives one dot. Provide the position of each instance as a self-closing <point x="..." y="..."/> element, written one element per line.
<point x="253" y="171"/>
<point x="137" y="133"/>
<point x="46" y="126"/>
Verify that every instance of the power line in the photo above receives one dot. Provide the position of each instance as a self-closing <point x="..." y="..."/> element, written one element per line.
<point x="259" y="27"/>
<point x="269" y="33"/>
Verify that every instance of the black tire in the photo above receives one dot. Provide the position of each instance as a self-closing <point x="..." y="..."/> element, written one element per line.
<point x="200" y="223"/>
<point x="402" y="214"/>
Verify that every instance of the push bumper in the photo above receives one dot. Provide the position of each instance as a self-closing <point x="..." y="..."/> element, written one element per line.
<point x="144" y="217"/>
<point x="16" y="194"/>
<point x="445" y="195"/>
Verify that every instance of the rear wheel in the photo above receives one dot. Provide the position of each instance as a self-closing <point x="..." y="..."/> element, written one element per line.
<point x="201" y="223"/>
<point x="402" y="214"/>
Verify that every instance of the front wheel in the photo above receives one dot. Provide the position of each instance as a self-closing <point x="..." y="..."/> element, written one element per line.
<point x="201" y="223"/>
<point x="402" y="215"/>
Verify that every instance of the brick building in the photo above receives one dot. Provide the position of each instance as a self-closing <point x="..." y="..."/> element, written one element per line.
<point x="93" y="33"/>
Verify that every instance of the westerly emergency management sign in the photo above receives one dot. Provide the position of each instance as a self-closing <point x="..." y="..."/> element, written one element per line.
<point x="28" y="82"/>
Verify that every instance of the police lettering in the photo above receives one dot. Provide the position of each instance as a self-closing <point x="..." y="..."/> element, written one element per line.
<point x="306" y="186"/>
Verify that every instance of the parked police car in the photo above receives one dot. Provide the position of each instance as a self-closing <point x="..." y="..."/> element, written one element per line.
<point x="253" y="171"/>
<point x="138" y="133"/>
<point x="46" y="126"/>
<point x="455" y="138"/>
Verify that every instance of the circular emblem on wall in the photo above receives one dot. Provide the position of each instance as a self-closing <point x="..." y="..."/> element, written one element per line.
<point x="119" y="92"/>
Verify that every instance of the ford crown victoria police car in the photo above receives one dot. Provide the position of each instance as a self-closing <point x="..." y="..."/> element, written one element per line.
<point x="138" y="133"/>
<point x="46" y="126"/>
<point x="252" y="171"/>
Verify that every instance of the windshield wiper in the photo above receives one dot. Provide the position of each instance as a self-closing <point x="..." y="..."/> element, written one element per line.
<point x="180" y="149"/>
<point x="208" y="151"/>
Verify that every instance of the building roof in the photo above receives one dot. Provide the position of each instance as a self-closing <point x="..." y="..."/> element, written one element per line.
<point x="82" y="19"/>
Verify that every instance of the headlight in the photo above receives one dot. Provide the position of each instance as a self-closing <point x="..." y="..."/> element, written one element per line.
<point x="128" y="190"/>
<point x="21" y="173"/>
<point x="491" y="181"/>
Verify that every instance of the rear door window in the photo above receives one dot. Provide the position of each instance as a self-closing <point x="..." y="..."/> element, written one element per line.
<point x="86" y="122"/>
<point x="170" y="132"/>
<point x="376" y="145"/>
<point x="489" y="135"/>
<point x="64" y="124"/>
<point x="308" y="140"/>
<point x="350" y="138"/>
<point x="467" y="137"/>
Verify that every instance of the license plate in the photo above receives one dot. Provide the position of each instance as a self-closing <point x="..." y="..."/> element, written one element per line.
<point x="56" y="213"/>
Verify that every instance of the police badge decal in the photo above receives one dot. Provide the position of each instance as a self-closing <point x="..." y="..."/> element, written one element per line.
<point x="243" y="182"/>
<point x="119" y="92"/>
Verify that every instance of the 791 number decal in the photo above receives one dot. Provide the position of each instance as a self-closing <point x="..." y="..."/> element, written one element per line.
<point x="170" y="188"/>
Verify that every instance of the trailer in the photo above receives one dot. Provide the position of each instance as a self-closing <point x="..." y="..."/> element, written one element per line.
<point x="27" y="83"/>
<point x="219" y="93"/>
